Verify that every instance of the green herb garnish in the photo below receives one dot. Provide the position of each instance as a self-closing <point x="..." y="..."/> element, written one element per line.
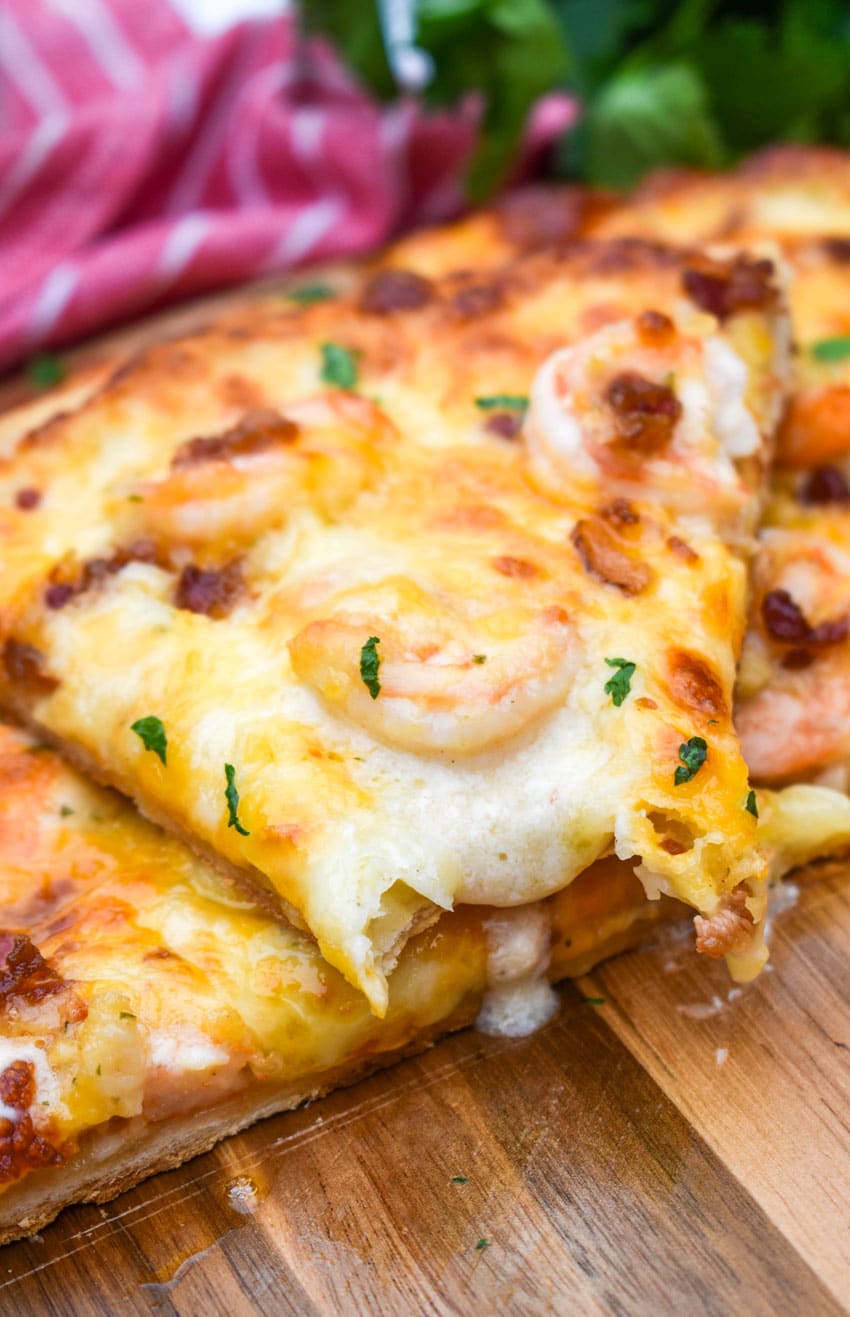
<point x="511" y="402"/>
<point x="339" y="366"/>
<point x="479" y="658"/>
<point x="65" y="811"/>
<point x="307" y="294"/>
<point x="693" y="755"/>
<point x="152" y="734"/>
<point x="831" y="349"/>
<point x="460" y="1179"/>
<point x="593" y="1001"/>
<point x="370" y="664"/>
<point x="752" y="805"/>
<point x="231" y="795"/>
<point x="126" y="1015"/>
<point x="482" y="1243"/>
<point x="45" y="370"/>
<point x="620" y="684"/>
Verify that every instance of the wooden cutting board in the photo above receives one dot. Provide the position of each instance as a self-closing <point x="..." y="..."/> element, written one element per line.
<point x="682" y="1147"/>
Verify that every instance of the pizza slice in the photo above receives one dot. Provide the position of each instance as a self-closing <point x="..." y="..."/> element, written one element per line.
<point x="319" y="591"/>
<point x="145" y="1014"/>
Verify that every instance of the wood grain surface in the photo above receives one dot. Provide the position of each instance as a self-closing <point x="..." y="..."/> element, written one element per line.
<point x="683" y="1147"/>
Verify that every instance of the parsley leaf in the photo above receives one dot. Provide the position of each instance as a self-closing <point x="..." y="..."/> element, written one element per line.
<point x="45" y="370"/>
<point x="460" y="1179"/>
<point x="65" y="811"/>
<point x="512" y="402"/>
<point x="831" y="349"/>
<point x="593" y="1001"/>
<point x="152" y="734"/>
<point x="231" y="795"/>
<point x="307" y="294"/>
<point x="693" y="755"/>
<point x="126" y="1015"/>
<point x="370" y="664"/>
<point x="620" y="684"/>
<point x="752" y="805"/>
<point x="482" y="1243"/>
<point x="479" y="658"/>
<point x="339" y="366"/>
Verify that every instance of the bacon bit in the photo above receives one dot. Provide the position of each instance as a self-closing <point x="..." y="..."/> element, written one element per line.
<point x="27" y="499"/>
<point x="25" y="974"/>
<point x="211" y="592"/>
<point x="507" y="425"/>
<point x="654" y="328"/>
<point x="837" y="249"/>
<point x="797" y="659"/>
<point x="694" y="685"/>
<point x="825" y="484"/>
<point x="672" y="846"/>
<point x="59" y="592"/>
<point x="787" y="623"/>
<point x="24" y="666"/>
<point x="57" y="596"/>
<point x="723" y="287"/>
<point x="729" y="929"/>
<point x="395" y="290"/>
<point x="538" y="217"/>
<point x="21" y="1149"/>
<point x="603" y="556"/>
<point x="518" y="568"/>
<point x="621" y="513"/>
<point x="682" y="549"/>
<point x="645" y="413"/>
<point x="255" y="433"/>
<point x="476" y="300"/>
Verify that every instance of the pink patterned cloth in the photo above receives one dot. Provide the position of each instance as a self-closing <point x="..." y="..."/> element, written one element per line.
<point x="141" y="164"/>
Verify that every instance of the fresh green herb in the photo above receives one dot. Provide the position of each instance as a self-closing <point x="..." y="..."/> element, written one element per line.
<point x="752" y="804"/>
<point x="97" y="1071"/>
<point x="593" y="1001"/>
<point x="512" y="402"/>
<point x="620" y="684"/>
<point x="307" y="294"/>
<point x="460" y="1179"/>
<point x="45" y="370"/>
<point x="370" y="664"/>
<point x="482" y="1243"/>
<point x="135" y="498"/>
<point x="231" y="795"/>
<point x="693" y="755"/>
<point x="831" y="349"/>
<point x="65" y="811"/>
<point x="339" y="366"/>
<point x="126" y="1015"/>
<point x="479" y="658"/>
<point x="152" y="734"/>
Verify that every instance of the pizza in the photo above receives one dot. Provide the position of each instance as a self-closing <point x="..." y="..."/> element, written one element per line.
<point x="145" y="1013"/>
<point x="430" y="594"/>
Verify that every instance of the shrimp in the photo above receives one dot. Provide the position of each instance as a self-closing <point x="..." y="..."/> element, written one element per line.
<point x="798" y="720"/>
<point x="651" y="409"/>
<point x="224" y="489"/>
<point x="816" y="428"/>
<point x="445" y="681"/>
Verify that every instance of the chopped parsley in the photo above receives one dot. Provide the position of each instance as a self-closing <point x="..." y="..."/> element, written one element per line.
<point x="479" y="658"/>
<point x="594" y="1001"/>
<point x="307" y="294"/>
<point x="45" y="370"/>
<point x="511" y="402"/>
<point x="693" y="755"/>
<point x="752" y="804"/>
<point x="152" y="734"/>
<point x="460" y="1179"/>
<point x="339" y="366"/>
<point x="231" y="795"/>
<point x="126" y="1015"/>
<point x="97" y="1071"/>
<point x="831" y="349"/>
<point x="620" y="684"/>
<point x="482" y="1244"/>
<point x="135" y="498"/>
<point x="65" y="811"/>
<point x="370" y="664"/>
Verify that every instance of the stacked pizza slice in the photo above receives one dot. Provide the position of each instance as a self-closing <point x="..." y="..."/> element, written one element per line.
<point x="408" y="614"/>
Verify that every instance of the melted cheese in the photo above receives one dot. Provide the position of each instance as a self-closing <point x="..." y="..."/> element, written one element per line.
<point x="492" y="767"/>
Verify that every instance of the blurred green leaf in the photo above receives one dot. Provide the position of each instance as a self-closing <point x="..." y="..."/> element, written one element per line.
<point x="356" y="32"/>
<point x="646" y="117"/>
